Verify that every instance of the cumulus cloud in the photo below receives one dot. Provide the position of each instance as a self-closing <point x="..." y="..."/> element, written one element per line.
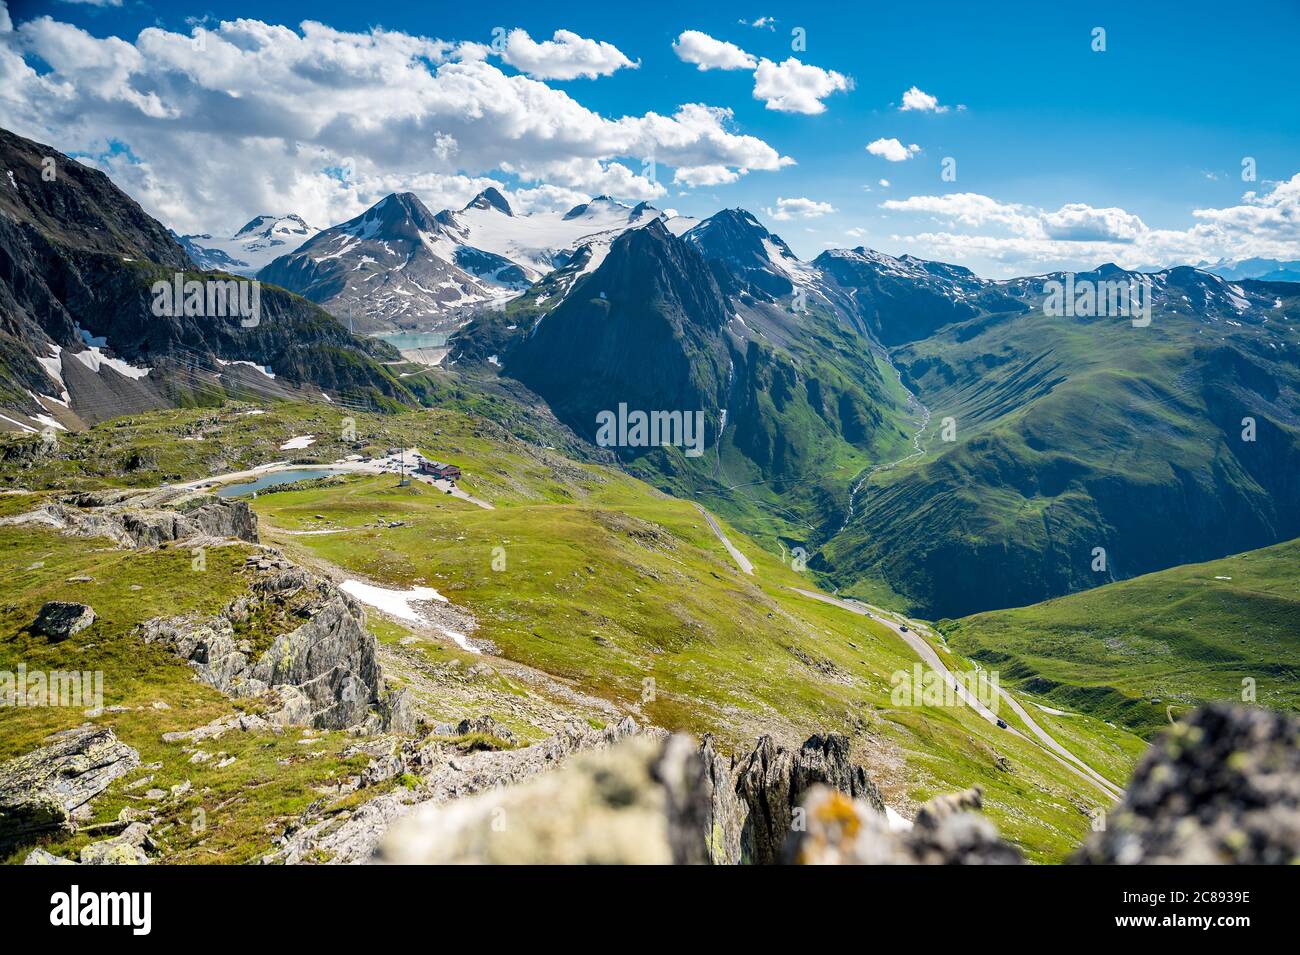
<point x="710" y="54"/>
<point x="799" y="208"/>
<point x="566" y="56"/>
<point x="794" y="87"/>
<point x="919" y="101"/>
<point x="1083" y="223"/>
<point x="1078" y="235"/>
<point x="715" y="175"/>
<point x="788" y="87"/>
<point x="892" y="150"/>
<point x="265" y="117"/>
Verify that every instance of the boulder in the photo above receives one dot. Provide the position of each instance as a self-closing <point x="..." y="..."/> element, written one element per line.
<point x="128" y="848"/>
<point x="41" y="790"/>
<point x="60" y="619"/>
<point x="1221" y="787"/>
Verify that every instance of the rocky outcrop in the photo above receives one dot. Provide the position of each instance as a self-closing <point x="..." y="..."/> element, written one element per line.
<point x="949" y="830"/>
<point x="59" y="619"/>
<point x="144" y="518"/>
<point x="42" y="790"/>
<point x="323" y="668"/>
<point x="641" y="802"/>
<point x="771" y="780"/>
<point x="1222" y="787"/>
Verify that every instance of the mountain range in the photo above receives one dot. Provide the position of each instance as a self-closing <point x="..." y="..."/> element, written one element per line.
<point x="916" y="430"/>
<point x="261" y="240"/>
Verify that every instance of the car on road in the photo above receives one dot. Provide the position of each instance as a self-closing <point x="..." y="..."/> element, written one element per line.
<point x="1002" y="724"/>
<point x="903" y="628"/>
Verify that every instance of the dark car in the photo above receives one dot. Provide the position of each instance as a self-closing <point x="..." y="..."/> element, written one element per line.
<point x="1002" y="724"/>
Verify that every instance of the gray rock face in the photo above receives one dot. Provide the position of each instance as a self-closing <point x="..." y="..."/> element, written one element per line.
<point x="1222" y="787"/>
<point x="771" y="780"/>
<point x="40" y="790"/>
<point x="59" y="619"/>
<point x="725" y="817"/>
<point x="145" y="518"/>
<point x="325" y="670"/>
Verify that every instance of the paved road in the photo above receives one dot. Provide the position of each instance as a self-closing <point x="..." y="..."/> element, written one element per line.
<point x="741" y="560"/>
<point x="927" y="654"/>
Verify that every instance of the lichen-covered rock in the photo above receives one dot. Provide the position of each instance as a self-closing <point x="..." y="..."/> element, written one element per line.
<point x="127" y="848"/>
<point x="840" y="830"/>
<point x="643" y="802"/>
<point x="59" y="619"/>
<point x="1223" y="786"/>
<point x="40" y="790"/>
<point x="41" y="857"/>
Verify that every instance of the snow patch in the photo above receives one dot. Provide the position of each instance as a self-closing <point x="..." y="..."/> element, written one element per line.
<point x="298" y="442"/>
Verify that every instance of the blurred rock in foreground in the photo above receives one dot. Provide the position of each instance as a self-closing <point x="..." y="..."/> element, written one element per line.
<point x="1221" y="787"/>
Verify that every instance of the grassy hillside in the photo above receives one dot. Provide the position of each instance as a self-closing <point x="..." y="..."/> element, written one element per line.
<point x="1130" y="651"/>
<point x="614" y="590"/>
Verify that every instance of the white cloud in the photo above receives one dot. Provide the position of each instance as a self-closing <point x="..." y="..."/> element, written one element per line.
<point x="254" y="122"/>
<point x="768" y="23"/>
<point x="714" y="175"/>
<point x="799" y="208"/>
<point x="1077" y="235"/>
<point x="96" y="3"/>
<point x="920" y="101"/>
<point x="1083" y="223"/>
<point x="884" y="183"/>
<point x="6" y="24"/>
<point x="892" y="150"/>
<point x="710" y="54"/>
<point x="788" y="87"/>
<point x="794" y="87"/>
<point x="566" y="56"/>
<point x="966" y="208"/>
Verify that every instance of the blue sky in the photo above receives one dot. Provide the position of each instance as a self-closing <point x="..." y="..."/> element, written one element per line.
<point x="1064" y="156"/>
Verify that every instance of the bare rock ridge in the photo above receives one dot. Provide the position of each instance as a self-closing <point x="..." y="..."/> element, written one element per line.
<point x="1223" y="787"/>
<point x="144" y="518"/>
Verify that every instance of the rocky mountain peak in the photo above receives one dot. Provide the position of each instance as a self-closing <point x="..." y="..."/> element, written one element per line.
<point x="490" y="198"/>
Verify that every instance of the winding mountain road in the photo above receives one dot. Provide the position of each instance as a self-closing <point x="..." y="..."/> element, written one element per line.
<point x="928" y="656"/>
<point x="921" y="647"/>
